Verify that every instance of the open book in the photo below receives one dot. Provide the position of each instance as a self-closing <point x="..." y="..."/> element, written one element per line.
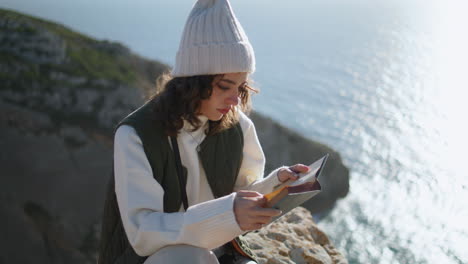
<point x="291" y="194"/>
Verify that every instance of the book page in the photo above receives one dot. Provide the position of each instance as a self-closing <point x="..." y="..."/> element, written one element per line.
<point x="309" y="176"/>
<point x="314" y="171"/>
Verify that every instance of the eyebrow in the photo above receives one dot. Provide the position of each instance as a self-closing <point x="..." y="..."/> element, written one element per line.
<point x="234" y="83"/>
<point x="228" y="81"/>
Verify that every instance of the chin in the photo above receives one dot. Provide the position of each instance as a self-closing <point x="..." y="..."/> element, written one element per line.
<point x="215" y="117"/>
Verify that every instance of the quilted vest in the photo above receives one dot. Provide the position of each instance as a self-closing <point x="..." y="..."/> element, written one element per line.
<point x="220" y="155"/>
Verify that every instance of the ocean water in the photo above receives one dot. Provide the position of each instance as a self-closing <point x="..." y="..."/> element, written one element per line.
<point x="383" y="82"/>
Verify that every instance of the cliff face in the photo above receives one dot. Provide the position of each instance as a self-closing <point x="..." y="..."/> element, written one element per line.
<point x="60" y="94"/>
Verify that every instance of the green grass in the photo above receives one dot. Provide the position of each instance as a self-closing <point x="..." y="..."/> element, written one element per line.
<point x="84" y="58"/>
<point x="58" y="29"/>
<point x="100" y="65"/>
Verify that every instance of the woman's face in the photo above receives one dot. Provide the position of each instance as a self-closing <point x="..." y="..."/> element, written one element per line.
<point x="225" y="95"/>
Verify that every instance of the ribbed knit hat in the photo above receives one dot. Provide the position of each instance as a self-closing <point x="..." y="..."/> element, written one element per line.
<point x="213" y="42"/>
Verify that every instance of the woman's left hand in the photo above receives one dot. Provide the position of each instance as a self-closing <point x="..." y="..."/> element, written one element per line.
<point x="291" y="172"/>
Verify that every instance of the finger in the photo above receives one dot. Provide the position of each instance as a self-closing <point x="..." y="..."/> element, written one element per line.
<point x="290" y="175"/>
<point x="249" y="194"/>
<point x="254" y="226"/>
<point x="260" y="201"/>
<point x="299" y="168"/>
<point x="294" y="176"/>
<point x="285" y="174"/>
<point x="260" y="211"/>
<point x="263" y="219"/>
<point x="251" y="203"/>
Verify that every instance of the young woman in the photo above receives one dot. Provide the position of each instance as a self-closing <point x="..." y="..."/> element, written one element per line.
<point x="159" y="212"/>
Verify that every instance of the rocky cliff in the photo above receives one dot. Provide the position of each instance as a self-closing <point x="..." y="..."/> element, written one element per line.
<point x="293" y="238"/>
<point x="60" y="94"/>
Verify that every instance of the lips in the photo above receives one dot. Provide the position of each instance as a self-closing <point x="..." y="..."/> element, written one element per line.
<point x="224" y="110"/>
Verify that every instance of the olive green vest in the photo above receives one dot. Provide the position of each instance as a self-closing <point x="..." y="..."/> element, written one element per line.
<point x="220" y="155"/>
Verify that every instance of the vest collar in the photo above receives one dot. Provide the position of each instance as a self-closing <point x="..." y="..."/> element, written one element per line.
<point x="203" y="119"/>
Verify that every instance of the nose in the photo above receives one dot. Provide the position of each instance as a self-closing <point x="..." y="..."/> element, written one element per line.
<point x="233" y="99"/>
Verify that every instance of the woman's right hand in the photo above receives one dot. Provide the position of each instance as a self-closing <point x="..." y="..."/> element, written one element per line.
<point x="249" y="211"/>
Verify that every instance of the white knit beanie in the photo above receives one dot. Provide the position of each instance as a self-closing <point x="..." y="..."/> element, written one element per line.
<point x="213" y="42"/>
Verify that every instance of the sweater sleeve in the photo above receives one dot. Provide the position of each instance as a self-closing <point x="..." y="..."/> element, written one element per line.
<point x="253" y="163"/>
<point x="140" y="198"/>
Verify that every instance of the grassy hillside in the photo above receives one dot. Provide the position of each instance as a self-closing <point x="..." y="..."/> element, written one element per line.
<point x="47" y="67"/>
<point x="84" y="56"/>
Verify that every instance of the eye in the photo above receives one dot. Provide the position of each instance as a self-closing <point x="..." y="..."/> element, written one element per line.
<point x="224" y="88"/>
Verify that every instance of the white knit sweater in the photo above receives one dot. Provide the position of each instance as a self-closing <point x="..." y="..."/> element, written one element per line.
<point x="208" y="222"/>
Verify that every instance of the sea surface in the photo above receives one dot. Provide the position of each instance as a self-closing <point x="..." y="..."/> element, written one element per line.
<point x="383" y="82"/>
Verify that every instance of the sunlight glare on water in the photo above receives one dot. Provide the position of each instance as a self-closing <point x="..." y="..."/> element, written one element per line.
<point x="409" y="187"/>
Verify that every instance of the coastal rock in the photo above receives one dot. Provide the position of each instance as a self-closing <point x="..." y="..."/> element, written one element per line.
<point x="293" y="238"/>
<point x="57" y="112"/>
<point x="31" y="42"/>
<point x="282" y="146"/>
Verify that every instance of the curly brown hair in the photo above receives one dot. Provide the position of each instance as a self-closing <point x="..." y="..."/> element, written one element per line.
<point x="179" y="98"/>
